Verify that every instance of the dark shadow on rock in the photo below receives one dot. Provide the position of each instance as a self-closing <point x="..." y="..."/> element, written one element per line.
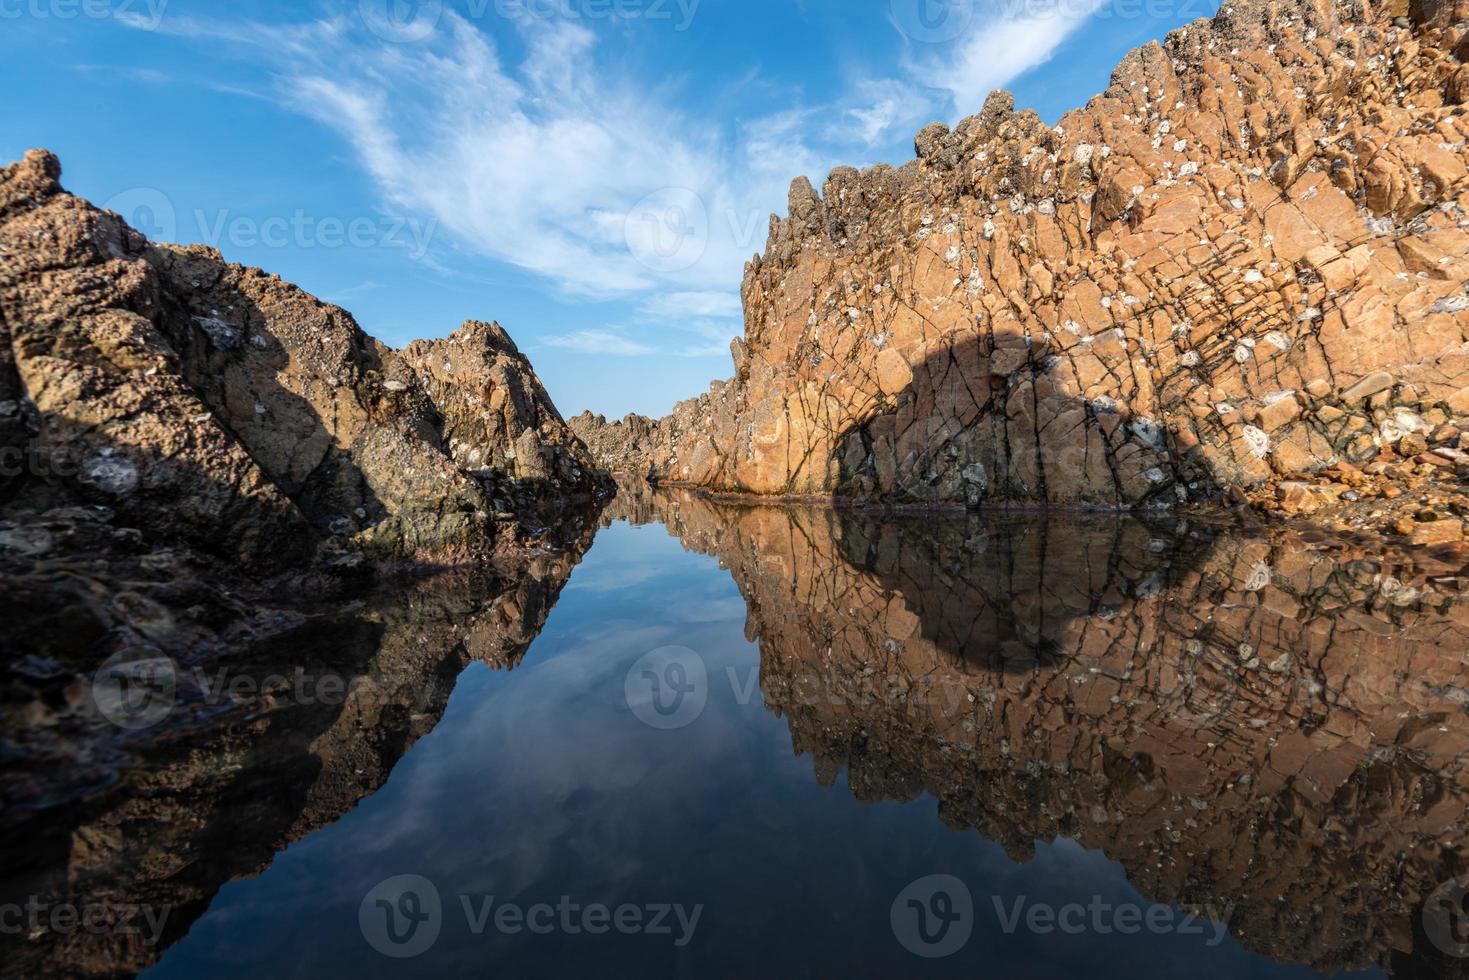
<point x="989" y="419"/>
<point x="230" y="354"/>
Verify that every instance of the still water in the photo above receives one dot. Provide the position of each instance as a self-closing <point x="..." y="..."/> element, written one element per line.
<point x="769" y="740"/>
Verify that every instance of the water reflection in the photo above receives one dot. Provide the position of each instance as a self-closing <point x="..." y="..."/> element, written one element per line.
<point x="1241" y="722"/>
<point x="1246" y="725"/>
<point x="282" y="738"/>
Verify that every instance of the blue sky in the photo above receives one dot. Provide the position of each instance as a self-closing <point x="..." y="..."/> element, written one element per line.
<point x="591" y="173"/>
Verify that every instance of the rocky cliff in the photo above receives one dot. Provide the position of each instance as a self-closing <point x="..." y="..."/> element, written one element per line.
<point x="1247" y="259"/>
<point x="214" y="404"/>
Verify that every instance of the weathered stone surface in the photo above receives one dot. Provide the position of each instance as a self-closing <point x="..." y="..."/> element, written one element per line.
<point x="216" y="404"/>
<point x="497" y="420"/>
<point x="1367" y="387"/>
<point x="1430" y="533"/>
<point x="621" y="447"/>
<point x="1102" y="311"/>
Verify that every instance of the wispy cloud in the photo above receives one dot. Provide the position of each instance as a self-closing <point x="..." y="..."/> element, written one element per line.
<point x="713" y="338"/>
<point x="542" y="164"/>
<point x="366" y="286"/>
<point x="1002" y="42"/>
<point x="132" y="73"/>
<point x="298" y="41"/>
<point x="153" y="76"/>
<point x="877" y="109"/>
<point x="563" y="162"/>
<point x="598" y="342"/>
<point x="710" y="303"/>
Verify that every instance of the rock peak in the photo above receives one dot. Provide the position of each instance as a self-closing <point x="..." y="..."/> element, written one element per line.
<point x="491" y="334"/>
<point x="37" y="175"/>
<point x="45" y="162"/>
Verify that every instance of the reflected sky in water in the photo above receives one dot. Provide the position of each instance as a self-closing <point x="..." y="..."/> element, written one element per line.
<point x="542" y="782"/>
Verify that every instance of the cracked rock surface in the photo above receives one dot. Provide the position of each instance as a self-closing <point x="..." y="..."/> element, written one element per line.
<point x="1246" y="259"/>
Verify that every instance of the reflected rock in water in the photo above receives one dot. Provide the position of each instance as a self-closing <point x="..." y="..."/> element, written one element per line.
<point x="1242" y="722"/>
<point x="279" y="738"/>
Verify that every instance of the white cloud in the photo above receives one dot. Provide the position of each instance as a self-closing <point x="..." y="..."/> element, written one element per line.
<point x="573" y="168"/>
<point x="293" y="41"/>
<point x="554" y="165"/>
<point x="673" y="306"/>
<point x="148" y="76"/>
<point x="714" y="337"/>
<point x="883" y="109"/>
<point x="712" y="340"/>
<point x="999" y="47"/>
<point x="598" y="342"/>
